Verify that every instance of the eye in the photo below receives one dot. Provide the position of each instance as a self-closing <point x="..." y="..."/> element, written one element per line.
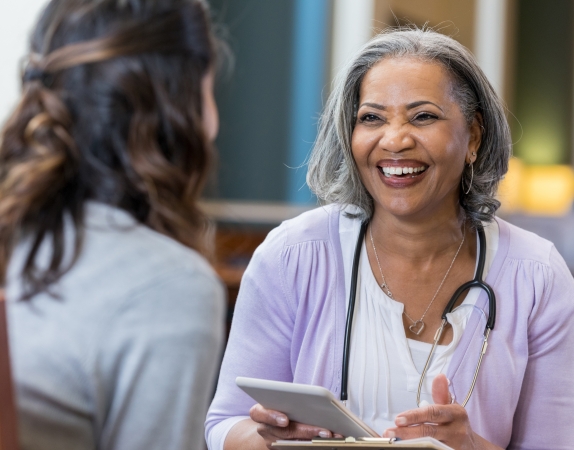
<point x="424" y="117"/>
<point x="369" y="118"/>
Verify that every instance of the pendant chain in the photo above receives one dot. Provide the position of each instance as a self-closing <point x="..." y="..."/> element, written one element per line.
<point x="418" y="325"/>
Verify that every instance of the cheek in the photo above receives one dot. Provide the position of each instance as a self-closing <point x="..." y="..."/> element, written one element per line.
<point x="448" y="154"/>
<point x="210" y="116"/>
<point x="362" y="145"/>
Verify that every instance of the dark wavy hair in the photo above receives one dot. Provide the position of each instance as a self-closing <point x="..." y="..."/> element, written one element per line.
<point x="111" y="111"/>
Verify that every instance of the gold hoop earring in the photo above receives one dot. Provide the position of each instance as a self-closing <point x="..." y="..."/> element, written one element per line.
<point x="471" y="179"/>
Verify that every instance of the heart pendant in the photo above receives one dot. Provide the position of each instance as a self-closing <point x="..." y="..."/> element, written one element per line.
<point x="417" y="327"/>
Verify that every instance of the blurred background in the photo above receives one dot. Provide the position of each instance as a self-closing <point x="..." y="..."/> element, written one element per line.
<point x="286" y="54"/>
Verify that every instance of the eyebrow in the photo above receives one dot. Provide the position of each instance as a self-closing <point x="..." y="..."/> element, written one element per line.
<point x="409" y="106"/>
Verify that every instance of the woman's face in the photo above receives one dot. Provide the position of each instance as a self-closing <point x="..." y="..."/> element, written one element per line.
<point x="411" y="140"/>
<point x="210" y="115"/>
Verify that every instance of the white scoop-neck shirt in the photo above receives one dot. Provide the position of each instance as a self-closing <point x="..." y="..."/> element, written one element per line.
<point x="385" y="366"/>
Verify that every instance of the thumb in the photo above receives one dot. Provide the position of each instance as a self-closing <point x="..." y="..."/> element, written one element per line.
<point x="440" y="392"/>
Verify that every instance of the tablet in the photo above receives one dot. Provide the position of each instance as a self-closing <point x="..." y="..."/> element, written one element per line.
<point x="304" y="403"/>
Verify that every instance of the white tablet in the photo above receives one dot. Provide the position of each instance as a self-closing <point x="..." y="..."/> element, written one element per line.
<point x="304" y="403"/>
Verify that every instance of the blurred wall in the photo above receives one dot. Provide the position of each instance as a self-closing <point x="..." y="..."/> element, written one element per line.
<point x="543" y="83"/>
<point x="270" y="102"/>
<point x="452" y="17"/>
<point x="16" y="20"/>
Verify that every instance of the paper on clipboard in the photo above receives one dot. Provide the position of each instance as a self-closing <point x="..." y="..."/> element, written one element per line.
<point x="364" y="443"/>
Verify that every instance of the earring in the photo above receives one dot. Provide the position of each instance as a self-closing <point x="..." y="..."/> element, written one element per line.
<point x="471" y="178"/>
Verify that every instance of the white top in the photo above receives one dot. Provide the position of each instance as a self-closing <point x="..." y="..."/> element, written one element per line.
<point x="385" y="366"/>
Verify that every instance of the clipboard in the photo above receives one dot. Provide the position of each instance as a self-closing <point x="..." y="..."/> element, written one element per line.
<point x="364" y="443"/>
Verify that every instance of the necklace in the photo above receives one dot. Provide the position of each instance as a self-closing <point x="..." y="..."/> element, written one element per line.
<point x="417" y="325"/>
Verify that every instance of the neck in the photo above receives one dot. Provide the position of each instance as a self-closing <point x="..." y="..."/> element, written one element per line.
<point x="418" y="241"/>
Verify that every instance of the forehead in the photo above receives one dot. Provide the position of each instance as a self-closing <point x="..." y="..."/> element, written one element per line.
<point x="405" y="79"/>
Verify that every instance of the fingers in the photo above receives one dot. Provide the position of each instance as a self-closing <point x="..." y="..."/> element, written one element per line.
<point x="446" y="423"/>
<point x="455" y="434"/>
<point x="294" y="430"/>
<point x="426" y="421"/>
<point x="440" y="392"/>
<point x="439" y="414"/>
<point x="273" y="425"/>
<point x="268" y="416"/>
<point x="426" y="430"/>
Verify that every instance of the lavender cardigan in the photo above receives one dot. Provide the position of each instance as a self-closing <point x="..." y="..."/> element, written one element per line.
<point x="290" y="320"/>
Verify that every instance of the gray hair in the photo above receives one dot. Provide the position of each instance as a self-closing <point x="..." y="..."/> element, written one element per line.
<point x="332" y="173"/>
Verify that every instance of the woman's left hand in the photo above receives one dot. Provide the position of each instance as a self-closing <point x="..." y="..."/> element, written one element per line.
<point x="445" y="421"/>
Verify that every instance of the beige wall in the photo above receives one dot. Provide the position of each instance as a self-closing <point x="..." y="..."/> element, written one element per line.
<point x="453" y="17"/>
<point x="456" y="18"/>
<point x="16" y="20"/>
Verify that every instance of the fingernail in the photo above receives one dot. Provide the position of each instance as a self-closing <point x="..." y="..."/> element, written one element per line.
<point x="424" y="404"/>
<point x="325" y="434"/>
<point x="281" y="420"/>
<point x="389" y="434"/>
<point x="401" y="421"/>
<point x="448" y="381"/>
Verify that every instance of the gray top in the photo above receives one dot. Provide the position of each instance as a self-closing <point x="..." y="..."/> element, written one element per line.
<point x="126" y="356"/>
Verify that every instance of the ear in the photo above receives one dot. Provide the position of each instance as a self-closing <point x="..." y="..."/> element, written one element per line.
<point x="476" y="132"/>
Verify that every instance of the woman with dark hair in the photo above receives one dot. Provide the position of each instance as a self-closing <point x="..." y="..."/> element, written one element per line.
<point x="400" y="282"/>
<point x="116" y="320"/>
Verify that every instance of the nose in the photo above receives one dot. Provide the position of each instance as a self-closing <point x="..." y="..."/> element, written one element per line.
<point x="396" y="138"/>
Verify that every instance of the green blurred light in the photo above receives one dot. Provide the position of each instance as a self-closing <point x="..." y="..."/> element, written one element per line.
<point x="542" y="144"/>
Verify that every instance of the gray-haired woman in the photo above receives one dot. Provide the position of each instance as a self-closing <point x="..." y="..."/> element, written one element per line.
<point x="411" y="148"/>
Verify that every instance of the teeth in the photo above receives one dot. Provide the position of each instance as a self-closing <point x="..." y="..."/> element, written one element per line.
<point x="388" y="171"/>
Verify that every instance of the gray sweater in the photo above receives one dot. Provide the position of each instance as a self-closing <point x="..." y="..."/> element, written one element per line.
<point x="126" y="356"/>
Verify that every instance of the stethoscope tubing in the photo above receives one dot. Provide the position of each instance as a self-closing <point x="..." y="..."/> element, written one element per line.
<point x="475" y="282"/>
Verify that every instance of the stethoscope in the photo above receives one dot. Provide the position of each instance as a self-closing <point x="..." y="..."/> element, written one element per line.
<point x="475" y="282"/>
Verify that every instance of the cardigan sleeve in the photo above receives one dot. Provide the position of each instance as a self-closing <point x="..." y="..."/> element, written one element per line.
<point x="260" y="338"/>
<point x="284" y="320"/>
<point x="545" y="409"/>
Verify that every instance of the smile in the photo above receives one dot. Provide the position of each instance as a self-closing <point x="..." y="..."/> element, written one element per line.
<point x="388" y="171"/>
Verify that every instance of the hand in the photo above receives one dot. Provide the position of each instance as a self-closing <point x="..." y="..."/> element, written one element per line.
<point x="445" y="421"/>
<point x="273" y="425"/>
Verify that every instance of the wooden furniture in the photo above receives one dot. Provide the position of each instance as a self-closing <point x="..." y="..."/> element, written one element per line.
<point x="8" y="422"/>
<point x="241" y="227"/>
<point x="234" y="246"/>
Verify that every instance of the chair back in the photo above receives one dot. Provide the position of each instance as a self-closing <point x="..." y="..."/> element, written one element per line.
<point x="8" y="421"/>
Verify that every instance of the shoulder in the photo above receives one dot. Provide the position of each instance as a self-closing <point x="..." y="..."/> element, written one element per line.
<point x="133" y="249"/>
<point x="319" y="224"/>
<point x="143" y="280"/>
<point x="525" y="245"/>
<point x="125" y="264"/>
<point x="298" y="242"/>
<point x="533" y="268"/>
<point x="301" y="251"/>
<point x="532" y="255"/>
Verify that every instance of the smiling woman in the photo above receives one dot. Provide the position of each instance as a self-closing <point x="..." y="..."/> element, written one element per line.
<point x="411" y="133"/>
<point x="412" y="145"/>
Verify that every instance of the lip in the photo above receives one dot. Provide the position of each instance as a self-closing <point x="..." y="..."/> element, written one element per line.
<point x="405" y="180"/>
